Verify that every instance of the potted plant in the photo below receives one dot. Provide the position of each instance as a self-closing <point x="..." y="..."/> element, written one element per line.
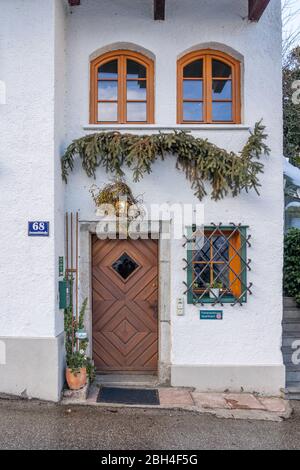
<point x="214" y="290"/>
<point x="76" y="371"/>
<point x="79" y="366"/>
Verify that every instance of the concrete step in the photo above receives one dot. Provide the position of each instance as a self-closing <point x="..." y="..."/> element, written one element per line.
<point x="292" y="396"/>
<point x="292" y="392"/>
<point x="293" y="388"/>
<point x="289" y="302"/>
<point x="291" y="334"/>
<point x="126" y="381"/>
<point x="291" y="307"/>
<point x="289" y="341"/>
<point x="288" y="352"/>
<point x="292" y="373"/>
<point x="289" y="364"/>
<point x="291" y="327"/>
<point x="293" y="376"/>
<point x="287" y="360"/>
<point x="291" y="314"/>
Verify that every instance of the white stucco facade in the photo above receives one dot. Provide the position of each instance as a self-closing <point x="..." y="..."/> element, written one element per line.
<point x="31" y="132"/>
<point x="45" y="51"/>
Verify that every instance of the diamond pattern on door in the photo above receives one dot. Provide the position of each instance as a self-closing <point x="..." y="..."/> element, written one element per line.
<point x="125" y="266"/>
<point x="125" y="305"/>
<point x="125" y="331"/>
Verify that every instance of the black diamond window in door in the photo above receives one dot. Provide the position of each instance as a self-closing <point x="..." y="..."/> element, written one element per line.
<point x="125" y="266"/>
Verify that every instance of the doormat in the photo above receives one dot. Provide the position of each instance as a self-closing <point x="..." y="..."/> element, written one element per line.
<point x="128" y="396"/>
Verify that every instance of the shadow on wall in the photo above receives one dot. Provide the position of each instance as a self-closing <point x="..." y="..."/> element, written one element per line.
<point x="130" y="46"/>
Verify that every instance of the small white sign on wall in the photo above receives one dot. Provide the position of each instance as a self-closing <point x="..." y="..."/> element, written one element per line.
<point x="180" y="307"/>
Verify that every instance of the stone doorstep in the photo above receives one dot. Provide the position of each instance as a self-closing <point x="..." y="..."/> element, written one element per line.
<point x="222" y="405"/>
<point x="76" y="395"/>
<point x="175" y="397"/>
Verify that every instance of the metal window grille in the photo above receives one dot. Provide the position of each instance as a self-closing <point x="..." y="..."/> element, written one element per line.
<point x="217" y="265"/>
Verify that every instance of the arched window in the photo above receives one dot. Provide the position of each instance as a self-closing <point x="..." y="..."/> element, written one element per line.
<point x="208" y="89"/>
<point x="122" y="89"/>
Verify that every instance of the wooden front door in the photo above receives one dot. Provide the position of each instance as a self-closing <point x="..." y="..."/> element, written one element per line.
<point x="125" y="305"/>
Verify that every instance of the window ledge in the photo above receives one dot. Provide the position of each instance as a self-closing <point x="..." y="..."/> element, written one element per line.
<point x="224" y="300"/>
<point x="156" y="127"/>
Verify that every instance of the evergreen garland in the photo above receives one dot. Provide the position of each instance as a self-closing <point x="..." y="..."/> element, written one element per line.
<point x="202" y="161"/>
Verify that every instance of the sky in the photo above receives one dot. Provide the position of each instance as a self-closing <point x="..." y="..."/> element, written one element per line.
<point x="294" y="24"/>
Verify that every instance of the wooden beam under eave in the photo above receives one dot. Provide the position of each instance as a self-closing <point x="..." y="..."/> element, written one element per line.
<point x="256" y="9"/>
<point x="159" y="9"/>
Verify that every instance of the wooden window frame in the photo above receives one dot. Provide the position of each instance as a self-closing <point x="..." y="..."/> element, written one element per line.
<point x="237" y="265"/>
<point x="122" y="56"/>
<point x="207" y="56"/>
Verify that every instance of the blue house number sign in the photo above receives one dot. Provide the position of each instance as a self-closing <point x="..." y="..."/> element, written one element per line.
<point x="38" y="229"/>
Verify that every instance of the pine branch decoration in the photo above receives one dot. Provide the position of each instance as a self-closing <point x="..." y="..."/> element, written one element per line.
<point x="200" y="160"/>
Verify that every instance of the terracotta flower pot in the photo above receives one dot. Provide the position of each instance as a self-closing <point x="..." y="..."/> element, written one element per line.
<point x="76" y="380"/>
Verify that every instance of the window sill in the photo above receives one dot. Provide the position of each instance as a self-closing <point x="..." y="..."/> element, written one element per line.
<point x="156" y="127"/>
<point x="224" y="300"/>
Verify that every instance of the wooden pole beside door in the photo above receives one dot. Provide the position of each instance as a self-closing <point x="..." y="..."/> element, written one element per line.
<point x="67" y="244"/>
<point x="72" y="267"/>
<point x="76" y="274"/>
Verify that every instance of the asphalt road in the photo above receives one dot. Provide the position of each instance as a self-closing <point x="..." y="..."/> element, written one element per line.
<point x="35" y="425"/>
